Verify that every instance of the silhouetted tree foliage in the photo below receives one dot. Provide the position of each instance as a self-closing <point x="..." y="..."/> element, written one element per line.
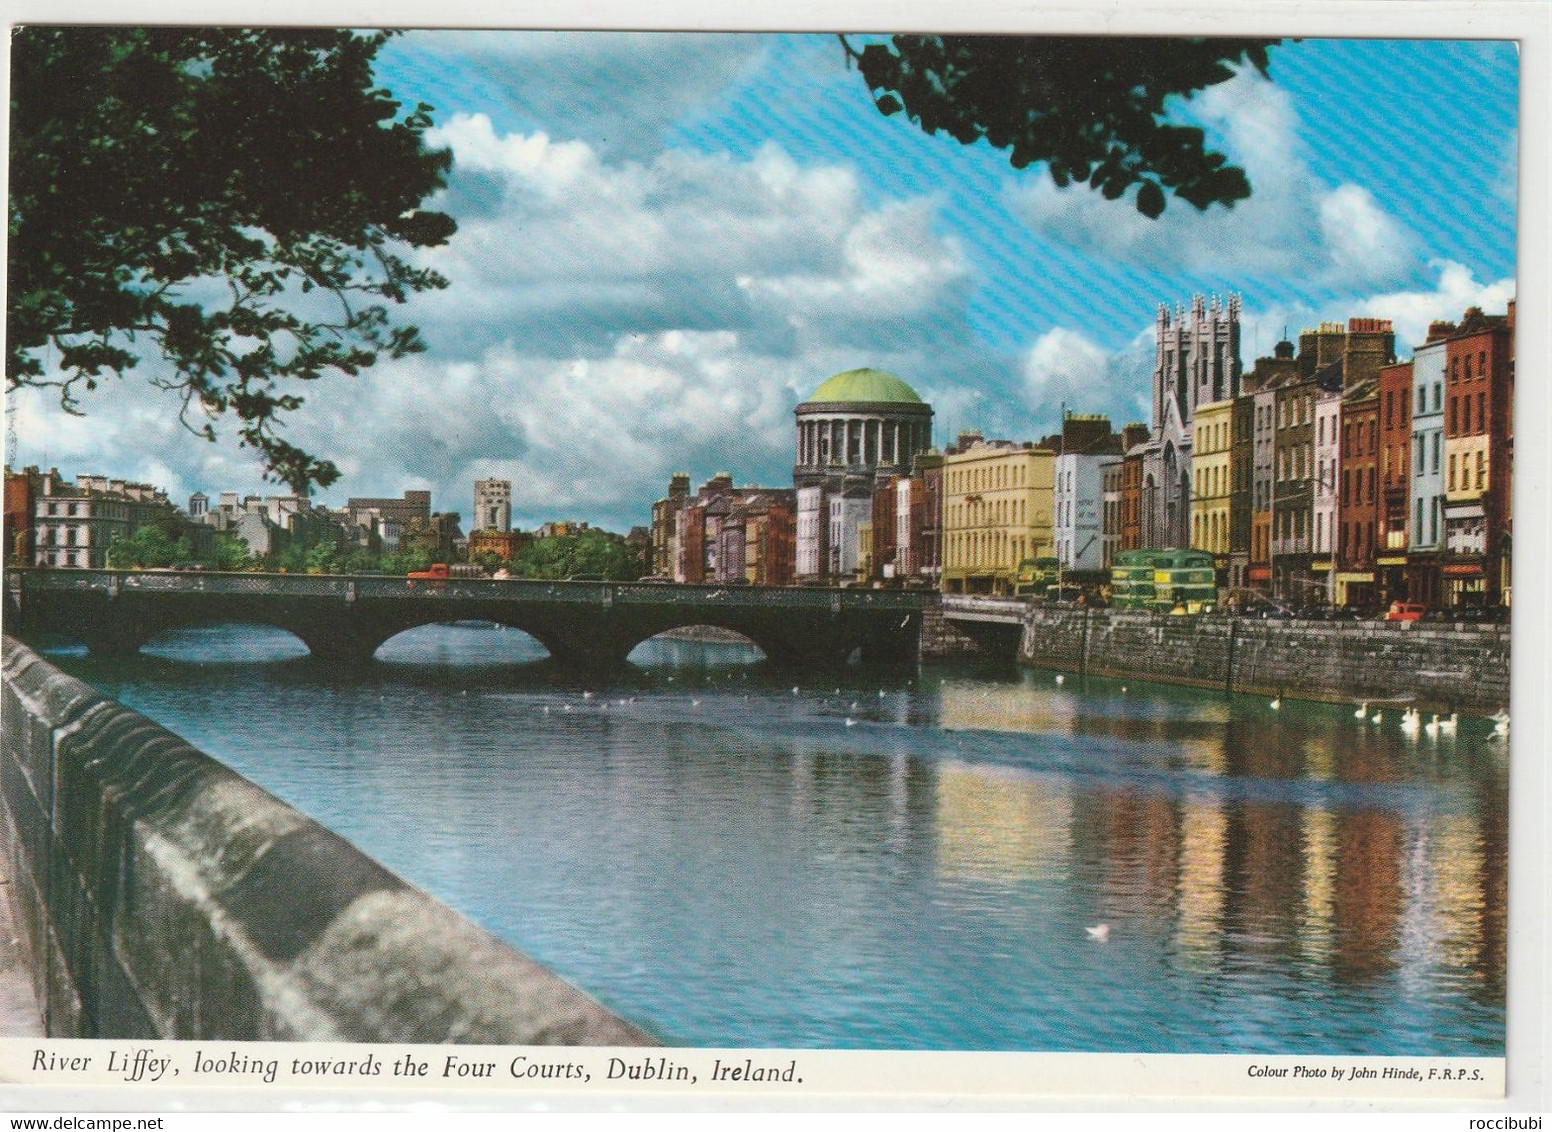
<point x="1092" y="108"/>
<point x="234" y="199"/>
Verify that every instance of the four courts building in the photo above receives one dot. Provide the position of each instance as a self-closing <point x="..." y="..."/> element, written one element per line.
<point x="855" y="433"/>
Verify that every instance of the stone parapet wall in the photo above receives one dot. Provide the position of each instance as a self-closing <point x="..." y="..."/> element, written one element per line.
<point x="165" y="896"/>
<point x="1437" y="667"/>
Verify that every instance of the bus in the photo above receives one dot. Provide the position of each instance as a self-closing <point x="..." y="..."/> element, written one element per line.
<point x="1170" y="581"/>
<point x="1037" y="577"/>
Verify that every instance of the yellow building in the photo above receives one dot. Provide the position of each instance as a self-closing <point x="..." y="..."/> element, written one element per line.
<point x="1210" y="479"/>
<point x="998" y="501"/>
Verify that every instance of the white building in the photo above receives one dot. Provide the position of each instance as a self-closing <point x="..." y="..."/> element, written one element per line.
<point x="1080" y="509"/>
<point x="857" y="431"/>
<point x="1328" y="463"/>
<point x="492" y="505"/>
<point x="73" y="524"/>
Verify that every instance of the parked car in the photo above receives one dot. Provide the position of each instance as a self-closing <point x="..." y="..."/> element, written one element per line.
<point x="1406" y="611"/>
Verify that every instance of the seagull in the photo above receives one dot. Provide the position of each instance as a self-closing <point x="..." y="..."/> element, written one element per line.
<point x="1100" y="932"/>
<point x="1123" y="689"/>
<point x="851" y="723"/>
<point x="794" y="689"/>
<point x="695" y="703"/>
<point x="587" y="695"/>
<point x="1363" y="710"/>
<point x="1060" y="678"/>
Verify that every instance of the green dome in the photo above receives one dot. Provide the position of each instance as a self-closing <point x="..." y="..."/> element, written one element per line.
<point x="866" y="385"/>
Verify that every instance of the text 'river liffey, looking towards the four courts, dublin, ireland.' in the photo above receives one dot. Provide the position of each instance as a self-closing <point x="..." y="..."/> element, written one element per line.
<point x="758" y="563"/>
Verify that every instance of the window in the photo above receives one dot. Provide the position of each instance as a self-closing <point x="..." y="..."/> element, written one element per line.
<point x="1452" y="472"/>
<point x="1481" y="469"/>
<point x="1438" y="395"/>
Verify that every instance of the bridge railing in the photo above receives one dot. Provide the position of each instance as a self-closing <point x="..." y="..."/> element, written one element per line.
<point x="376" y="586"/>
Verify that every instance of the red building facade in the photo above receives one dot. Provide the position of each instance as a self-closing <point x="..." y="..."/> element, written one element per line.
<point x="1478" y="445"/>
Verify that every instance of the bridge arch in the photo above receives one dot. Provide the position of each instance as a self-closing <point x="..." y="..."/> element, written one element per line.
<point x="699" y="639"/>
<point x="482" y="641"/>
<point x="216" y="642"/>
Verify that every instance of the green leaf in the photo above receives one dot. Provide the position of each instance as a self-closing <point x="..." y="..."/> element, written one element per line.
<point x="1150" y="199"/>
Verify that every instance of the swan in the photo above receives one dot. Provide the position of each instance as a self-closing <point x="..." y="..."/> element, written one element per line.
<point x="1363" y="710"/>
<point x="1449" y="726"/>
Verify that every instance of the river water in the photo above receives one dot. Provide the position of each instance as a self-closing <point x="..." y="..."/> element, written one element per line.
<point x="729" y="855"/>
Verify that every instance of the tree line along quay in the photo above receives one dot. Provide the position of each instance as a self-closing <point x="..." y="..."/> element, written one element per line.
<point x="1328" y="479"/>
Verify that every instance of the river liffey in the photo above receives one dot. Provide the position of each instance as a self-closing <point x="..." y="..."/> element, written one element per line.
<point x="731" y="855"/>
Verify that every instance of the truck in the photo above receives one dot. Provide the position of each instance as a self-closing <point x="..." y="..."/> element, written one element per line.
<point x="437" y="574"/>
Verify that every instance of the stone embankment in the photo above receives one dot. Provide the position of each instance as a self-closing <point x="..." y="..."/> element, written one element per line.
<point x="940" y="639"/>
<point x="1441" y="667"/>
<point x="162" y="895"/>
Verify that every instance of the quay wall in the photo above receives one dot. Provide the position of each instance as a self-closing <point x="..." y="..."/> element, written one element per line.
<point x="162" y="895"/>
<point x="1438" y="667"/>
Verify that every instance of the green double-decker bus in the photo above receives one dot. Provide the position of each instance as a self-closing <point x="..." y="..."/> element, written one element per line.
<point x="1037" y="577"/>
<point x="1170" y="581"/>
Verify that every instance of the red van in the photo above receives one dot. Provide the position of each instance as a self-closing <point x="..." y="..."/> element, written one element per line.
<point x="1406" y="611"/>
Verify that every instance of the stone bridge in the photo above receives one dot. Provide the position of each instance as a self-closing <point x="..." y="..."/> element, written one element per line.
<point x="584" y="624"/>
<point x="996" y="625"/>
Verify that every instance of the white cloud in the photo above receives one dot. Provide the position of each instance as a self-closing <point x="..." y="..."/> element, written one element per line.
<point x="609" y="321"/>
<point x="1291" y="226"/>
<point x="1455" y="289"/>
<point x="1064" y="365"/>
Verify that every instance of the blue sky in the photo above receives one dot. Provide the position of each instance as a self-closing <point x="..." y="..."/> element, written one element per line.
<point x="667" y="240"/>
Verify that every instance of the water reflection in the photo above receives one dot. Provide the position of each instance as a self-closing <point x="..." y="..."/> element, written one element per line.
<point x="896" y="861"/>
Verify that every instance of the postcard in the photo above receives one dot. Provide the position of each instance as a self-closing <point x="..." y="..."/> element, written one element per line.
<point x="772" y="567"/>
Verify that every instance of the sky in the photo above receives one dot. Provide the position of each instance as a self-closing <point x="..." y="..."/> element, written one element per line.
<point x="666" y="241"/>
